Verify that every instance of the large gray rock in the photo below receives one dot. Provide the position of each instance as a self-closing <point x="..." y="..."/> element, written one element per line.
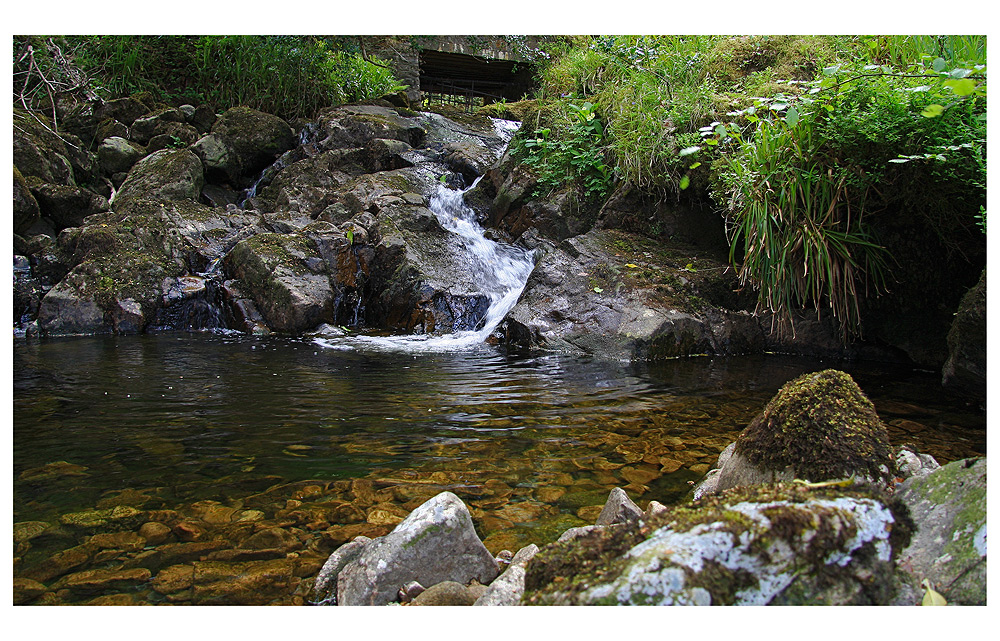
<point x="436" y="542"/>
<point x="508" y="588"/>
<point x="779" y="545"/>
<point x="583" y="298"/>
<point x="949" y="548"/>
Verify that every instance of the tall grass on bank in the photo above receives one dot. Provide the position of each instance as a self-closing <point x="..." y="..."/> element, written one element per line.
<point x="290" y="76"/>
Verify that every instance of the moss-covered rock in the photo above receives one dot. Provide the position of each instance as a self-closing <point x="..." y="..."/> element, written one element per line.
<point x="26" y="210"/>
<point x="783" y="544"/>
<point x="165" y="175"/>
<point x="965" y="368"/>
<point x="948" y="507"/>
<point x="255" y="138"/>
<point x="818" y="427"/>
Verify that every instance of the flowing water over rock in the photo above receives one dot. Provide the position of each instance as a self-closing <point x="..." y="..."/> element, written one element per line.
<point x="247" y="457"/>
<point x="499" y="271"/>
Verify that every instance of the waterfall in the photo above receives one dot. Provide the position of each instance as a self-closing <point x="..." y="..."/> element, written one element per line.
<point x="497" y="270"/>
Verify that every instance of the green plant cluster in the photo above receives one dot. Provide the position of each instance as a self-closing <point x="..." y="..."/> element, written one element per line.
<point x="812" y="176"/>
<point x="574" y="157"/>
<point x="818" y="148"/>
<point x="290" y="76"/>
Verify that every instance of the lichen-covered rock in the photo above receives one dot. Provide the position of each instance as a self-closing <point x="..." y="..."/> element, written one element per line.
<point x="966" y="365"/>
<point x="67" y="205"/>
<point x="152" y="124"/>
<point x="436" y="543"/>
<point x="781" y="544"/>
<point x="818" y="427"/>
<point x="948" y="507"/>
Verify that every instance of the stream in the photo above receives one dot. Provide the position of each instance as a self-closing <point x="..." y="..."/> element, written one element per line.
<point x="532" y="444"/>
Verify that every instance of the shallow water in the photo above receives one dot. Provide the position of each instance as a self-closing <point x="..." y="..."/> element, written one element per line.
<point x="532" y="444"/>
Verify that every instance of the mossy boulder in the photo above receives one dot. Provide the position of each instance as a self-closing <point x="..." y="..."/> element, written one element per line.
<point x="67" y="205"/>
<point x="782" y="544"/>
<point x="39" y="152"/>
<point x="818" y="427"/>
<point x="157" y="122"/>
<point x="116" y="155"/>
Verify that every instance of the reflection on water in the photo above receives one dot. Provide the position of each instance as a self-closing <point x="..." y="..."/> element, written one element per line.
<point x="533" y="445"/>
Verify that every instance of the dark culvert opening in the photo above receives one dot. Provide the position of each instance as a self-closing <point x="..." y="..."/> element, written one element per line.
<point x="472" y="81"/>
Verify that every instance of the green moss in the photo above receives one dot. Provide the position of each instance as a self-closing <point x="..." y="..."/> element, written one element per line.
<point x="821" y="425"/>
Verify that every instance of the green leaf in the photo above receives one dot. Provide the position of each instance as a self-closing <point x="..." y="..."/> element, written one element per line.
<point x="694" y="165"/>
<point x="792" y="116"/>
<point x="962" y="87"/>
<point x="900" y="160"/>
<point x="598" y="290"/>
<point x="685" y="181"/>
<point x="939" y="64"/>
<point x="932" y="111"/>
<point x="687" y="151"/>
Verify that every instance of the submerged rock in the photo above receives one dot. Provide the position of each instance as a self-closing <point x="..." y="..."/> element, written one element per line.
<point x="818" y="427"/>
<point x="436" y="542"/>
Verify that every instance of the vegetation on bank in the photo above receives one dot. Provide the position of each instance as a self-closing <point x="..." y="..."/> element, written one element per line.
<point x="812" y="146"/>
<point x="288" y="76"/>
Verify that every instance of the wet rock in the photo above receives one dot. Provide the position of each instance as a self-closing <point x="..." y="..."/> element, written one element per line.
<point x="155" y="533"/>
<point x="26" y="210"/>
<point x="325" y="586"/>
<point x="768" y="545"/>
<point x="966" y="365"/>
<point x="112" y="519"/>
<point x="173" y="579"/>
<point x="436" y="542"/>
<point x="948" y="506"/>
<point x="582" y="298"/>
<point x="247" y="583"/>
<point x="59" y="564"/>
<point x="27" y="590"/>
<point x="818" y="427"/>
<point x="188" y="531"/>
<point x="508" y="588"/>
<point x="275" y="270"/>
<point x="90" y="581"/>
<point x="445" y="593"/>
<point x="25" y="531"/>
<point x="619" y="508"/>
<point x="909" y="463"/>
<point x="272" y="538"/>
<point x="53" y="470"/>
<point x="175" y="553"/>
<point x="124" y="541"/>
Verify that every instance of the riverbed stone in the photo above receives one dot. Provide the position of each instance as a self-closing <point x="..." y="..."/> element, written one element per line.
<point x="619" y="508"/>
<point x="445" y="593"/>
<point x="436" y="542"/>
<point x="99" y="580"/>
<point x="27" y="590"/>
<point x="818" y="427"/>
<point x="948" y="506"/>
<point x="508" y="588"/>
<point x="168" y="174"/>
<point x="255" y="138"/>
<point x="117" y="155"/>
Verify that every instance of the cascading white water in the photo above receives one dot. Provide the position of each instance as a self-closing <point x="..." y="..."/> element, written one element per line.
<point x="497" y="270"/>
